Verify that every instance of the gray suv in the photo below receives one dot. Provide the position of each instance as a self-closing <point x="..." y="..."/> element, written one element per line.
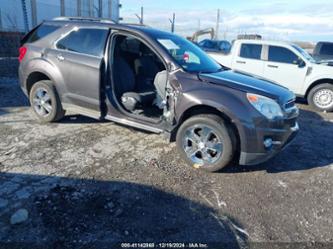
<point x="158" y="82"/>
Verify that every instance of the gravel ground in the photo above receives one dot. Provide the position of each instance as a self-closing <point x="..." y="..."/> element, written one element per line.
<point x="90" y="184"/>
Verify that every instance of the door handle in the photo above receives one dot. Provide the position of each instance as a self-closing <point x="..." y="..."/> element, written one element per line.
<point x="60" y="57"/>
<point x="241" y="62"/>
<point x="273" y="66"/>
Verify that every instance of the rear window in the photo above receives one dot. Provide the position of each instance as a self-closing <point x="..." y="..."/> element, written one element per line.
<point x="251" y="51"/>
<point x="283" y="55"/>
<point x="85" y="41"/>
<point x="327" y="49"/>
<point x="39" y="33"/>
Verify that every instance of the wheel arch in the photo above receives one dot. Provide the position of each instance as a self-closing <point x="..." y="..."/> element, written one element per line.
<point x="206" y="109"/>
<point x="33" y="78"/>
<point x="42" y="69"/>
<point x="316" y="83"/>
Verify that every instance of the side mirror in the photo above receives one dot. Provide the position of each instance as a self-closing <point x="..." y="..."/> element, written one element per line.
<point x="301" y="63"/>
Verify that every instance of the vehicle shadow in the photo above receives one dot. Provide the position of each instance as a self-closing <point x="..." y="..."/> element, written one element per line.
<point x="312" y="148"/>
<point x="81" y="213"/>
<point x="79" y="119"/>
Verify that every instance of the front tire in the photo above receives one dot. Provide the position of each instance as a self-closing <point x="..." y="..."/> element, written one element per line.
<point x="321" y="97"/>
<point x="45" y="102"/>
<point x="206" y="142"/>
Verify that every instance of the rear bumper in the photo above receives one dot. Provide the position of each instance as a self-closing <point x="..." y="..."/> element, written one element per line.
<point x="280" y="137"/>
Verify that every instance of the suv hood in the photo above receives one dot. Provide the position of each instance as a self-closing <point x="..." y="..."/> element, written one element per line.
<point x="249" y="83"/>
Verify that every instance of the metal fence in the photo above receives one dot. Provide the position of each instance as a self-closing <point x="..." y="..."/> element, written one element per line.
<point x="22" y="15"/>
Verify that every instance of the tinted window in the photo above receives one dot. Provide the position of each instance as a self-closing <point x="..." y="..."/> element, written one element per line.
<point x="225" y="46"/>
<point x="283" y="55"/>
<point x="251" y="51"/>
<point x="39" y="33"/>
<point x="208" y="44"/>
<point x="85" y="41"/>
<point x="327" y="49"/>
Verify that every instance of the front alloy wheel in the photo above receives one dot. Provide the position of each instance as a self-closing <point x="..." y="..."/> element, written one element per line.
<point x="202" y="145"/>
<point x="205" y="141"/>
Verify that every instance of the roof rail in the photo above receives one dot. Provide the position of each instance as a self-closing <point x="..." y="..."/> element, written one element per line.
<point x="79" y="18"/>
<point x="134" y="24"/>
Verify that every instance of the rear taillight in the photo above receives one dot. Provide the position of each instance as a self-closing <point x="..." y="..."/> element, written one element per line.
<point x="22" y="52"/>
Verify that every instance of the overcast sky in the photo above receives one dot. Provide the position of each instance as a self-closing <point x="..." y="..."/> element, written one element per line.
<point x="275" y="19"/>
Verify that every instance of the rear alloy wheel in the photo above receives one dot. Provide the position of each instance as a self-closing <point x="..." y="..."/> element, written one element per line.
<point x="205" y="142"/>
<point x="321" y="97"/>
<point x="45" y="102"/>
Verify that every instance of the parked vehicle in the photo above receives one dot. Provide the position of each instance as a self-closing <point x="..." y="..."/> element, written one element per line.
<point x="286" y="64"/>
<point x="215" y="46"/>
<point x="155" y="81"/>
<point x="323" y="51"/>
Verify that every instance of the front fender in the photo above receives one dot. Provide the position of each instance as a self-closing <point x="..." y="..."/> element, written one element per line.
<point x="319" y="73"/>
<point x="230" y="102"/>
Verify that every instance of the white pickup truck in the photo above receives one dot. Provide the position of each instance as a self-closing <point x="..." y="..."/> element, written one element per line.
<point x="285" y="64"/>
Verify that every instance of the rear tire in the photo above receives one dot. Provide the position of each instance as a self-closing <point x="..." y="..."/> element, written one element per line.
<point x="321" y="97"/>
<point x="45" y="102"/>
<point x="206" y="142"/>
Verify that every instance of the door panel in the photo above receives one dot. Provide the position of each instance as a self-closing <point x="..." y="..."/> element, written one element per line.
<point x="287" y="75"/>
<point x="248" y="59"/>
<point x="283" y="68"/>
<point x="250" y="66"/>
<point x="78" y="57"/>
<point x="81" y="75"/>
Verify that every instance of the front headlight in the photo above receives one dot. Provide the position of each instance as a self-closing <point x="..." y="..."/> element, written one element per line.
<point x="266" y="106"/>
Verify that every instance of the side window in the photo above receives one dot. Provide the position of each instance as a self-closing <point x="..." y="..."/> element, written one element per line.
<point x="85" y="41"/>
<point x="250" y="51"/>
<point x="39" y="33"/>
<point x="326" y="49"/>
<point x="283" y="55"/>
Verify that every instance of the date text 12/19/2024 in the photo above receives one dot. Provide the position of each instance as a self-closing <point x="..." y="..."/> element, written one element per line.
<point x="164" y="245"/>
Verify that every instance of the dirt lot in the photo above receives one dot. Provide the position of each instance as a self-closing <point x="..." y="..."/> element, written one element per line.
<point x="85" y="183"/>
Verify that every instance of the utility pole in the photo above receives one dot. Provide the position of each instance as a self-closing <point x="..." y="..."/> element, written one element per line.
<point x="62" y="7"/>
<point x="90" y="11"/>
<point x="78" y="7"/>
<point x="217" y="25"/>
<point x="34" y="13"/>
<point x="0" y="20"/>
<point x="141" y="16"/>
<point x="100" y="8"/>
<point x="25" y="15"/>
<point x="173" y="22"/>
<point x="110" y="9"/>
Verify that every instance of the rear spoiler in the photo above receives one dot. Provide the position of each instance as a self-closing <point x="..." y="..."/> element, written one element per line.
<point x="27" y="35"/>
